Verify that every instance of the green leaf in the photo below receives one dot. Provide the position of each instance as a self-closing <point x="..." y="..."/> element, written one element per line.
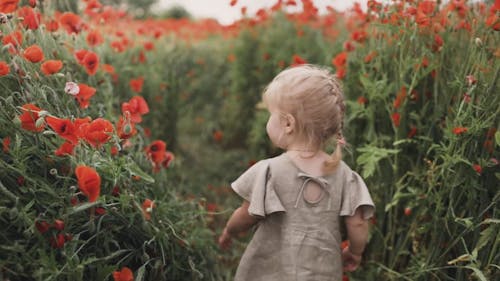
<point x="135" y="170"/>
<point x="370" y="156"/>
<point x="83" y="207"/>
<point x="497" y="137"/>
<point x="478" y="272"/>
<point x="486" y="236"/>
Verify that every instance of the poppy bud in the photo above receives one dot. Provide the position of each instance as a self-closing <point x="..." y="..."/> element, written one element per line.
<point x="42" y="226"/>
<point x="58" y="224"/>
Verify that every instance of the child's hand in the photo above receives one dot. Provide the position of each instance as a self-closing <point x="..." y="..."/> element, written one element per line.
<point x="350" y="261"/>
<point x="225" y="240"/>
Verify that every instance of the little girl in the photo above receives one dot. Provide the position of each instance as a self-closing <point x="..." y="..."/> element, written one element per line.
<point x="299" y="197"/>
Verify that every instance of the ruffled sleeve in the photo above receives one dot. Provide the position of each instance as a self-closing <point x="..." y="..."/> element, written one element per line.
<point x="255" y="187"/>
<point x="355" y="194"/>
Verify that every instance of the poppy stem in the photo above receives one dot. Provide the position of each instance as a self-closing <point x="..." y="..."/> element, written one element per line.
<point x="91" y="222"/>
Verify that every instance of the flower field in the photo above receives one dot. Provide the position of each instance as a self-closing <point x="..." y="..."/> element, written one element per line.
<point x="120" y="136"/>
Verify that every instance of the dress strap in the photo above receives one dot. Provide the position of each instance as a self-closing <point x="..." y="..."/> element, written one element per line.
<point x="320" y="181"/>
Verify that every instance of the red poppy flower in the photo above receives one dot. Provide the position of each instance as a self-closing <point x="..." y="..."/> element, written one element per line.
<point x="29" y="118"/>
<point x="15" y="39"/>
<point x="368" y="58"/>
<point x="297" y="60"/>
<point x="89" y="182"/>
<point x="71" y="22"/>
<point x="477" y="168"/>
<point x="401" y="96"/>
<point x="148" y="46"/>
<point x="97" y="132"/>
<point x="156" y="151"/>
<point x="233" y="2"/>
<point x="169" y="157"/>
<point x="136" y="84"/>
<point x="137" y="107"/>
<point x="91" y="63"/>
<point x="4" y="68"/>
<point x="50" y="67"/>
<point x="52" y="25"/>
<point x="63" y="127"/>
<point x="67" y="148"/>
<point x="123" y="275"/>
<point x="84" y="95"/>
<point x="42" y="226"/>
<point x="396" y="118"/>
<point x="94" y="38"/>
<point x="80" y="55"/>
<point x="147" y="208"/>
<point x="8" y="6"/>
<point x="31" y="19"/>
<point x="339" y="61"/>
<point x="33" y="54"/>
<point x="459" y="130"/>
<point x="6" y="144"/>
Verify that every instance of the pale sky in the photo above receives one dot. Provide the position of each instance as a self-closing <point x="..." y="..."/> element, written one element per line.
<point x="225" y="14"/>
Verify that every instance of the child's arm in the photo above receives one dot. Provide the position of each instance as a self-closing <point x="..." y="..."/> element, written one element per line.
<point x="239" y="221"/>
<point x="357" y="233"/>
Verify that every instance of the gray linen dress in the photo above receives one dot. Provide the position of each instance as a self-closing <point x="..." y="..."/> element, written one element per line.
<point x="297" y="240"/>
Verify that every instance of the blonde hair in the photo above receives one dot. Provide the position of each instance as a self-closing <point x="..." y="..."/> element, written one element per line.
<point x="314" y="97"/>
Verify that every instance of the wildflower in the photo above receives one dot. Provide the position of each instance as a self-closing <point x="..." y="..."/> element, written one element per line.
<point x="89" y="182"/>
<point x="65" y="149"/>
<point x="8" y="6"/>
<point x="33" y="54"/>
<point x="71" y="22"/>
<point x="459" y="130"/>
<point x="29" y="118"/>
<point x="52" y="25"/>
<point x="15" y="39"/>
<point x="396" y="118"/>
<point x="94" y="38"/>
<point x="6" y="144"/>
<point x="156" y="151"/>
<point x="233" y="2"/>
<point x="362" y="100"/>
<point x="471" y="80"/>
<point x="340" y="60"/>
<point x="58" y="225"/>
<point x="412" y="132"/>
<point x="97" y="132"/>
<point x="125" y="274"/>
<point x="91" y="63"/>
<point x="148" y="46"/>
<point x="31" y="19"/>
<point x="63" y="127"/>
<point x="137" y="107"/>
<point x="50" y="67"/>
<point x="42" y="226"/>
<point x="217" y="135"/>
<point x="136" y="84"/>
<point x="369" y="57"/>
<point x="407" y="211"/>
<point x="400" y="97"/>
<point x="58" y="241"/>
<point x="71" y="88"/>
<point x="147" y="208"/>
<point x="84" y="94"/>
<point x="438" y="43"/>
<point x="4" y="68"/>
<point x="477" y="168"/>
<point x="298" y="60"/>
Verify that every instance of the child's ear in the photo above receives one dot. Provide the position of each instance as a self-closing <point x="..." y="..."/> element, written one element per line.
<point x="289" y="123"/>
